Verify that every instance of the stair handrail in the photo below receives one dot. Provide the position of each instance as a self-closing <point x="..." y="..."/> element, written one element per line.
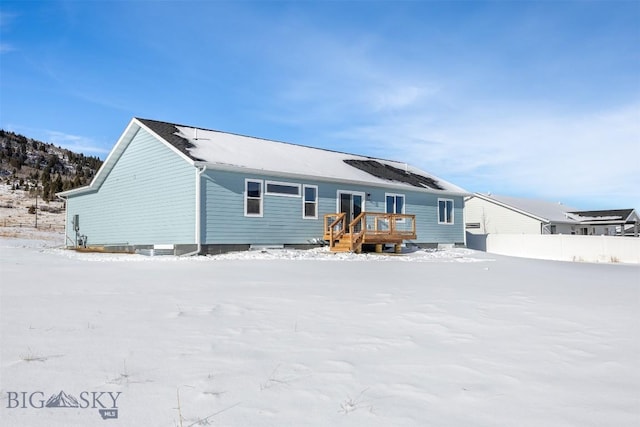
<point x="357" y="237"/>
<point x="333" y="234"/>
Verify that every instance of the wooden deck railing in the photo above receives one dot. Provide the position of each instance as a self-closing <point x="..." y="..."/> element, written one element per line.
<point x="369" y="227"/>
<point x="390" y="225"/>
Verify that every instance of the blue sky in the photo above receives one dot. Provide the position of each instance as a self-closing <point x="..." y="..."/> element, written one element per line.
<point x="532" y="99"/>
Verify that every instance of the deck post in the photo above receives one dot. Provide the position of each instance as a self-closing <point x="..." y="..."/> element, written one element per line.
<point x="398" y="248"/>
<point x="378" y="248"/>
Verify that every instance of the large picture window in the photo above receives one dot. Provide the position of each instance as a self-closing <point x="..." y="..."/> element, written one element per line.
<point x="310" y="202"/>
<point x="445" y="211"/>
<point x="253" y="198"/>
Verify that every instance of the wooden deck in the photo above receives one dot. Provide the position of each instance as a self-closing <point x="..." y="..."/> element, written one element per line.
<point x="368" y="228"/>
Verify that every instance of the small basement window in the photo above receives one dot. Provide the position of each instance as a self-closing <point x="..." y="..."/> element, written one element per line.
<point x="471" y="225"/>
<point x="288" y="189"/>
<point x="253" y="198"/>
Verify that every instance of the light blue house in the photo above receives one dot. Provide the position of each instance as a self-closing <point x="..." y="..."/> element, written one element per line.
<point x="195" y="190"/>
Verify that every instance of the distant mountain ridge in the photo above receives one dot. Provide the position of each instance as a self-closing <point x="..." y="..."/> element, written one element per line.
<point x="33" y="165"/>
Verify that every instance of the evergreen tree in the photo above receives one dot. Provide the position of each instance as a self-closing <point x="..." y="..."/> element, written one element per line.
<point x="46" y="190"/>
<point x="57" y="185"/>
<point x="45" y="177"/>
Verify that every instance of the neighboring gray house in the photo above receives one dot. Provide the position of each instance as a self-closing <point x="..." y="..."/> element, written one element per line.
<point x="492" y="214"/>
<point x="619" y="222"/>
<point x="204" y="191"/>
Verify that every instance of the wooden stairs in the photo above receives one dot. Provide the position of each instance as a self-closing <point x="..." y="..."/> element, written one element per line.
<point x="368" y="228"/>
<point x="343" y="244"/>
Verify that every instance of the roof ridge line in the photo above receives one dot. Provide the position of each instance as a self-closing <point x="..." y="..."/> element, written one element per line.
<point x="271" y="140"/>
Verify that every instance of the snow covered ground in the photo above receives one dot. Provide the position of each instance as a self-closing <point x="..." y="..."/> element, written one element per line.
<point x="293" y="338"/>
<point x="15" y="218"/>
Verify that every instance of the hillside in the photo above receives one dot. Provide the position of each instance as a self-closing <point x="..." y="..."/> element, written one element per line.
<point x="28" y="164"/>
<point x="31" y="172"/>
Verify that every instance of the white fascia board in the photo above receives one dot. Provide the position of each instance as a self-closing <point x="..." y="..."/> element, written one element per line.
<point x="74" y="191"/>
<point x="602" y="222"/>
<point x="115" y="152"/>
<point x="109" y="162"/>
<point x="166" y="143"/>
<point x="633" y="217"/>
<point x="397" y="187"/>
<point x="568" y="221"/>
<point x="129" y="133"/>
<point x="124" y="140"/>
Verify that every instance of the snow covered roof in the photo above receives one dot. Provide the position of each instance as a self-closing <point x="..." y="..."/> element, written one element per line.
<point x="227" y="150"/>
<point x="559" y="213"/>
<point x="540" y="209"/>
<point x="616" y="215"/>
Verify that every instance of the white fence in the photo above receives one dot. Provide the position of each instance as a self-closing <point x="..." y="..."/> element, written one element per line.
<point x="560" y="247"/>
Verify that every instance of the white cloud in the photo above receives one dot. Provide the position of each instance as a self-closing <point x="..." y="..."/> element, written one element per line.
<point x="396" y="97"/>
<point x="591" y="156"/>
<point x="447" y="125"/>
<point x="6" y="48"/>
<point x="75" y="143"/>
<point x="450" y="125"/>
<point x="6" y="20"/>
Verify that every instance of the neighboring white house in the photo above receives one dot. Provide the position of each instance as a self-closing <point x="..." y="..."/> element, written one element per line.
<point x="491" y="214"/>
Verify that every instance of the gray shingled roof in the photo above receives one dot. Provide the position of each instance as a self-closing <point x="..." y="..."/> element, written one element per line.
<point x="169" y="132"/>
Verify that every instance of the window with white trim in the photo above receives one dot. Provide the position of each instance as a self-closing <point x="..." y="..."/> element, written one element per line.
<point x="288" y="189"/>
<point x="394" y="203"/>
<point x="253" y="197"/>
<point x="310" y="202"/>
<point x="445" y="211"/>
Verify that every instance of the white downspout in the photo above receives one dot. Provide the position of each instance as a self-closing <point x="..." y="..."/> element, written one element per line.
<point x="198" y="209"/>
<point x="464" y="224"/>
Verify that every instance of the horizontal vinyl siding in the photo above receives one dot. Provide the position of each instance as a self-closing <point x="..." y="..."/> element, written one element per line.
<point x="148" y="198"/>
<point x="425" y="207"/>
<point x="496" y="219"/>
<point x="224" y="221"/>
<point x="567" y="229"/>
<point x="282" y="223"/>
